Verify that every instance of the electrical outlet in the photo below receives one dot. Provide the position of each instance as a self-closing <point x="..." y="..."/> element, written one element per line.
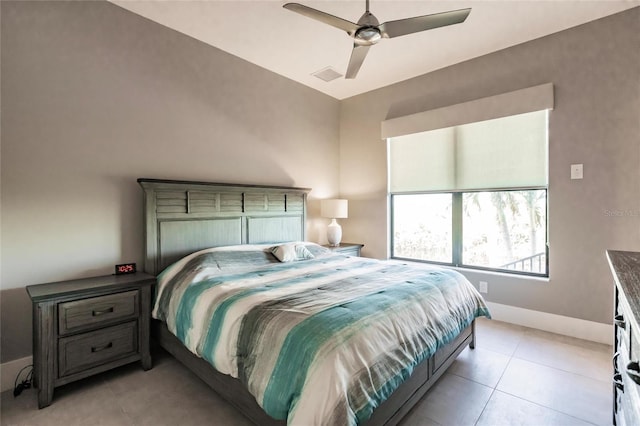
<point x="484" y="287"/>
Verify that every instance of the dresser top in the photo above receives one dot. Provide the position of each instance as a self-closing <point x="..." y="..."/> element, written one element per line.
<point x="82" y="286"/>
<point x="626" y="271"/>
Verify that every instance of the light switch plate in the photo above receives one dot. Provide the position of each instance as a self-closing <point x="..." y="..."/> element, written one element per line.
<point x="576" y="171"/>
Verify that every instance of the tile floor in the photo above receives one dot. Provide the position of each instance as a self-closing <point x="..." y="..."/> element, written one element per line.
<point x="515" y="376"/>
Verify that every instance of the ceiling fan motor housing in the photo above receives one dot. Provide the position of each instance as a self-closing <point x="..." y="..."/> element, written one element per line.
<point x="368" y="32"/>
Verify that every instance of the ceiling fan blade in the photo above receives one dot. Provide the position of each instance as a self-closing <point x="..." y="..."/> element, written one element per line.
<point x="357" y="58"/>
<point x="326" y="18"/>
<point x="422" y="23"/>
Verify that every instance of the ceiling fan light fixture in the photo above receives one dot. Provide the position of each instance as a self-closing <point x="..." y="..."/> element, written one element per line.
<point x="366" y="36"/>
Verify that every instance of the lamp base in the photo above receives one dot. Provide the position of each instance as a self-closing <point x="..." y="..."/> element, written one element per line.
<point x="334" y="233"/>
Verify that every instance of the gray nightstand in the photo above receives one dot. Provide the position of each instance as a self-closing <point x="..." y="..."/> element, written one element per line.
<point x="346" y="248"/>
<point x="87" y="326"/>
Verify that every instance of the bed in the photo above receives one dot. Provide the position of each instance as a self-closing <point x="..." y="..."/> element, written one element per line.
<point x="295" y="336"/>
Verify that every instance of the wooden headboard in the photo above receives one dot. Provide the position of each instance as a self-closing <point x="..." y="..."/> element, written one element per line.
<point x="182" y="217"/>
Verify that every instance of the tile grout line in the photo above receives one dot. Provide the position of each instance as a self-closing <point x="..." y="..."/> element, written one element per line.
<point x="546" y="408"/>
<point x="562" y="369"/>
<point x="493" y="391"/>
<point x="533" y="402"/>
<point x="495" y="388"/>
<point x="520" y="342"/>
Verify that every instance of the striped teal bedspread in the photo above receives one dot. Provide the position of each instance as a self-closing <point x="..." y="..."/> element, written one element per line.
<point x="322" y="341"/>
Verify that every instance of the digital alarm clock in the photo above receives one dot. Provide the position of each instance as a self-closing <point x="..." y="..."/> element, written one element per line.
<point x="126" y="268"/>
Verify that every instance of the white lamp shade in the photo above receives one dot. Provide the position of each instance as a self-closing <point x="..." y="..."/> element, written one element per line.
<point x="334" y="209"/>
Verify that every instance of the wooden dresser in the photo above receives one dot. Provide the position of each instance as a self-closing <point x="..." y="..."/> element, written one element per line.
<point x="626" y="375"/>
<point x="87" y="326"/>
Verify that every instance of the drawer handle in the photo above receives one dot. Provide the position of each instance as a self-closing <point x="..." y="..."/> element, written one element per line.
<point x="617" y="381"/>
<point x="619" y="321"/>
<point x="101" y="348"/>
<point x="615" y="364"/>
<point x="633" y="371"/>
<point x="102" y="312"/>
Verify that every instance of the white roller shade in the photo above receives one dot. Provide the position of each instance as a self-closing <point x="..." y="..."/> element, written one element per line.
<point x="508" y="152"/>
<point x="423" y="160"/>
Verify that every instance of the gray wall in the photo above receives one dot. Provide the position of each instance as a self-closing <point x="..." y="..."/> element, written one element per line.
<point x="94" y="97"/>
<point x="595" y="69"/>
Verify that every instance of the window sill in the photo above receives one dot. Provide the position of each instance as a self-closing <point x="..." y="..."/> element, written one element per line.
<point x="524" y="277"/>
<point x="481" y="271"/>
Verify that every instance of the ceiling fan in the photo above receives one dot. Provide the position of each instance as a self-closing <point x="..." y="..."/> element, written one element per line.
<point x="368" y="31"/>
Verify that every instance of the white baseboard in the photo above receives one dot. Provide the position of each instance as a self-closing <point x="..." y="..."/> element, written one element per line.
<point x="9" y="371"/>
<point x="567" y="326"/>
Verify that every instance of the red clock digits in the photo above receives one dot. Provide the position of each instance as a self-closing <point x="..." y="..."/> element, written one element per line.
<point x="126" y="268"/>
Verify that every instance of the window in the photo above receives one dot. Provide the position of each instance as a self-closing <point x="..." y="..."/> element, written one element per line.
<point x="422" y="227"/>
<point x="473" y="195"/>
<point x="505" y="230"/>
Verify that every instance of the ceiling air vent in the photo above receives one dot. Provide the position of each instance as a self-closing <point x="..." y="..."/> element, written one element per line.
<point x="327" y="74"/>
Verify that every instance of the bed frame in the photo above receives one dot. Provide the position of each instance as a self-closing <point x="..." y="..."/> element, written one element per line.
<point x="182" y="217"/>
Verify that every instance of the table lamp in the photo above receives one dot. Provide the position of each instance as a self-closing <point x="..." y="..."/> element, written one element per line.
<point x="334" y="209"/>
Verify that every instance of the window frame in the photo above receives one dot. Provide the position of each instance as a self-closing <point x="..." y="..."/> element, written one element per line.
<point x="457" y="231"/>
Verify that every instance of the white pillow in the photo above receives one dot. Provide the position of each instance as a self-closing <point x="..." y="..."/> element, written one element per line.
<point x="291" y="252"/>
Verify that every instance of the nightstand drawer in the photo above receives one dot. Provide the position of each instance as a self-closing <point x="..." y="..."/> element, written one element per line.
<point x="349" y="249"/>
<point x="88" y="313"/>
<point x="355" y="251"/>
<point x="84" y="351"/>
